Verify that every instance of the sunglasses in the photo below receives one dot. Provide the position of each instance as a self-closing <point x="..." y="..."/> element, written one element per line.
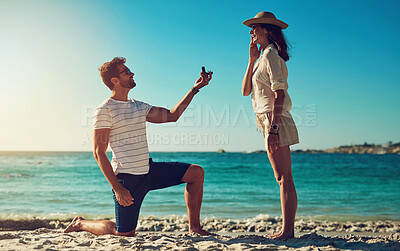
<point x="254" y="27"/>
<point x="127" y="71"/>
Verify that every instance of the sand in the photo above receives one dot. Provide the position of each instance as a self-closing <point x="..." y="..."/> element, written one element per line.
<point x="169" y="233"/>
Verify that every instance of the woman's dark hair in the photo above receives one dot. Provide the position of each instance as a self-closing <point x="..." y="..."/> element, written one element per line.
<point x="275" y="35"/>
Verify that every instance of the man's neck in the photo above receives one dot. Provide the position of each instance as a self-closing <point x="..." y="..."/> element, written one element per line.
<point x="121" y="96"/>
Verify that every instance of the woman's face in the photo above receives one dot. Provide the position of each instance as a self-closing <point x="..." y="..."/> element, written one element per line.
<point x="259" y="35"/>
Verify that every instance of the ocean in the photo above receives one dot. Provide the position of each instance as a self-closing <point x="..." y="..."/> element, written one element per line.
<point x="333" y="187"/>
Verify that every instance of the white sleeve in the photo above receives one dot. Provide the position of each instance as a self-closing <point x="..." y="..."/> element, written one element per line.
<point x="274" y="68"/>
<point x="102" y="118"/>
<point x="144" y="107"/>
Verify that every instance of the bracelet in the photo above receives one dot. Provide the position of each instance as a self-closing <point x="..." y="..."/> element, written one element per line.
<point x="194" y="90"/>
<point x="274" y="133"/>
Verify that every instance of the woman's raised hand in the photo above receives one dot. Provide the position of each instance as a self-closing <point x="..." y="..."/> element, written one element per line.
<point x="254" y="51"/>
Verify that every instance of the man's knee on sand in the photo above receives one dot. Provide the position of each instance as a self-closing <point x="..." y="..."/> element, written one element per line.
<point x="128" y="234"/>
<point x="194" y="173"/>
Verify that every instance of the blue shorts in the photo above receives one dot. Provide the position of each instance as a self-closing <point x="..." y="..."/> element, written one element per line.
<point x="161" y="175"/>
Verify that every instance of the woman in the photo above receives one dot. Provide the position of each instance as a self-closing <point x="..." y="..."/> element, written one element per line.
<point x="266" y="81"/>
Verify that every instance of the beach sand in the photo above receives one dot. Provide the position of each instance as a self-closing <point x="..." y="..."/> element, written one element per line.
<point x="169" y="233"/>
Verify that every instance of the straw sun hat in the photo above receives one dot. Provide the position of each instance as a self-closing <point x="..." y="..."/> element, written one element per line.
<point x="264" y="17"/>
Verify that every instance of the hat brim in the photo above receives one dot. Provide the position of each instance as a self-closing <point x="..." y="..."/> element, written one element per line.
<point x="251" y="21"/>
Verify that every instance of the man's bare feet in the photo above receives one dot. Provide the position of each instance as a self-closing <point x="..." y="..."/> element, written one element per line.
<point x="201" y="232"/>
<point x="74" y="226"/>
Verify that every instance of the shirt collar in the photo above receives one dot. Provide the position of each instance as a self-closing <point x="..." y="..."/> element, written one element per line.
<point x="269" y="47"/>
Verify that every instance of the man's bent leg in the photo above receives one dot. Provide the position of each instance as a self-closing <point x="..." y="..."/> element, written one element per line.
<point x="166" y="174"/>
<point x="127" y="217"/>
<point x="194" y="177"/>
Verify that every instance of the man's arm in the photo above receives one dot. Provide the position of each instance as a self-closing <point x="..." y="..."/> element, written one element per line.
<point x="163" y="115"/>
<point x="101" y="138"/>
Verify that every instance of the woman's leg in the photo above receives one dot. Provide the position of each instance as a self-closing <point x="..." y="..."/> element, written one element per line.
<point x="282" y="166"/>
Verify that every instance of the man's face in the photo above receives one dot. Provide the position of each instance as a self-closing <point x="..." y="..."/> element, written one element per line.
<point x="125" y="77"/>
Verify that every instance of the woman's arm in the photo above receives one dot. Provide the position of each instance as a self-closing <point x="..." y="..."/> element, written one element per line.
<point x="272" y="137"/>
<point x="246" y="84"/>
<point x="278" y="85"/>
<point x="278" y="107"/>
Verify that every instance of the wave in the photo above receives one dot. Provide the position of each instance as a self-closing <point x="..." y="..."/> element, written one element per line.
<point x="35" y="221"/>
<point x="14" y="175"/>
<point x="259" y="223"/>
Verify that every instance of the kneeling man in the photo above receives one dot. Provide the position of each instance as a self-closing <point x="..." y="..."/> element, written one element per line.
<point x="121" y="123"/>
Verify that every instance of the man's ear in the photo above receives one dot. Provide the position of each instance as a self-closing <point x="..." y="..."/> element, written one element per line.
<point x="114" y="80"/>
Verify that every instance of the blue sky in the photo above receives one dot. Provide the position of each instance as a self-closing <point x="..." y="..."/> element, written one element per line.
<point x="343" y="73"/>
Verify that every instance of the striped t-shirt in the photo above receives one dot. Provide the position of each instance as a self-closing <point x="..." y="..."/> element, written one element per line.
<point x="128" y="141"/>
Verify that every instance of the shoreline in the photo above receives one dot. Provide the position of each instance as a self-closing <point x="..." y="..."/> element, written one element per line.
<point x="174" y="223"/>
<point x="170" y="232"/>
<point x="47" y="239"/>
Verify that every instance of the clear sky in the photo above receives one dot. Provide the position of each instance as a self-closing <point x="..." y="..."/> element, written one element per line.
<point x="343" y="74"/>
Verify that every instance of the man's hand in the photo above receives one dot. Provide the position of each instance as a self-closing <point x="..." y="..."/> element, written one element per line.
<point x="203" y="80"/>
<point x="273" y="143"/>
<point x="123" y="196"/>
<point x="162" y="115"/>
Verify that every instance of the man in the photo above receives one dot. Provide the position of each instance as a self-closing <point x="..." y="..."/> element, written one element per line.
<point x="121" y="122"/>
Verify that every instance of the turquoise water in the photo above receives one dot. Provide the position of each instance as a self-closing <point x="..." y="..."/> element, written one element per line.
<point x="237" y="185"/>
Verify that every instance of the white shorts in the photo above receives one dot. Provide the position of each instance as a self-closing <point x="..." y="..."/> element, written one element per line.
<point x="287" y="129"/>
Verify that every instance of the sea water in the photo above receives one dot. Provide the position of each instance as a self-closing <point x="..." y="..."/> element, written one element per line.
<point x="237" y="185"/>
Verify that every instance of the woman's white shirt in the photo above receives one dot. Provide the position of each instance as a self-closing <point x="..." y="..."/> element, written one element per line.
<point x="270" y="75"/>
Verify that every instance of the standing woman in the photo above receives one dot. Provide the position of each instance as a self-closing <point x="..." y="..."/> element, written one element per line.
<point x="266" y="81"/>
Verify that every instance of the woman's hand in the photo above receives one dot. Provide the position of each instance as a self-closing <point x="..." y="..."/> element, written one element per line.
<point x="203" y="80"/>
<point x="273" y="143"/>
<point x="254" y="51"/>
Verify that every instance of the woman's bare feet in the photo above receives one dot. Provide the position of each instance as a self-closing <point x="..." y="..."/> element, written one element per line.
<point x="271" y="236"/>
<point x="281" y="236"/>
<point x="201" y="232"/>
<point x="74" y="226"/>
